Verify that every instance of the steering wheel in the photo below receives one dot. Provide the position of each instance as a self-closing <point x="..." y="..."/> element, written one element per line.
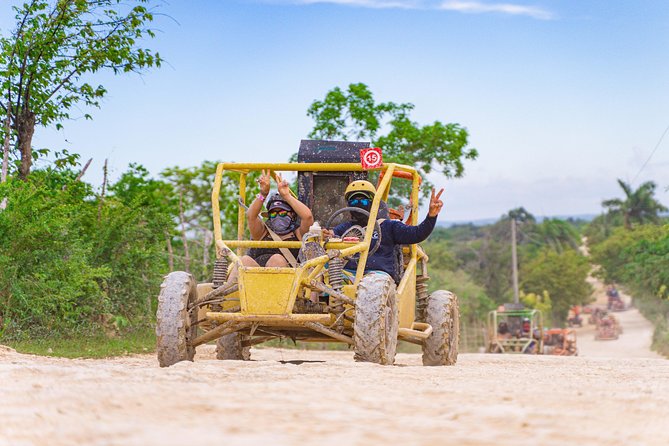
<point x="375" y="244"/>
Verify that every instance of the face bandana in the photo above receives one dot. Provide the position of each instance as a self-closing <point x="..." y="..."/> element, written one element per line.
<point x="281" y="225"/>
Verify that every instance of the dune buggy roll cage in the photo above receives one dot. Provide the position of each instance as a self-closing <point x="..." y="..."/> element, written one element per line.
<point x="313" y="267"/>
<point x="514" y="344"/>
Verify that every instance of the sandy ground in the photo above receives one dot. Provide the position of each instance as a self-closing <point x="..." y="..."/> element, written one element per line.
<point x="616" y="393"/>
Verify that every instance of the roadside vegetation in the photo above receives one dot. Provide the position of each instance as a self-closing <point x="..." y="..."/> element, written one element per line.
<point x="631" y="243"/>
<point x="475" y="262"/>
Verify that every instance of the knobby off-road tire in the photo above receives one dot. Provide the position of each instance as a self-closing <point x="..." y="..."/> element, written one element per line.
<point x="230" y="347"/>
<point x="376" y="320"/>
<point x="173" y="328"/>
<point x="443" y="314"/>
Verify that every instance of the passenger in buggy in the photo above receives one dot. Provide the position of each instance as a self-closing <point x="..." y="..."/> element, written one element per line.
<point x="286" y="219"/>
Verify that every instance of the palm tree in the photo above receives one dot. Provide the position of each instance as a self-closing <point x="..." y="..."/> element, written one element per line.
<point x="639" y="206"/>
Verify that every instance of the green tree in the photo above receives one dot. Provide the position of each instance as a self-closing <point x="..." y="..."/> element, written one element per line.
<point x="562" y="275"/>
<point x="638" y="257"/>
<point x="521" y="215"/>
<point x="191" y="205"/>
<point x="473" y="301"/>
<point x="638" y="206"/>
<point x="354" y="114"/>
<point x="541" y="302"/>
<point x="48" y="60"/>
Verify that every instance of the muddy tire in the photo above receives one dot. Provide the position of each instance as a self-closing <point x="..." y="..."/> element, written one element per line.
<point x="376" y="320"/>
<point x="173" y="327"/>
<point x="230" y="347"/>
<point x="443" y="314"/>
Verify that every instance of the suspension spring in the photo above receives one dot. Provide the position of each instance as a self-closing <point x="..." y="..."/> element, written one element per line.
<point x="220" y="271"/>
<point x="336" y="274"/>
<point x="421" y="297"/>
<point x="220" y="276"/>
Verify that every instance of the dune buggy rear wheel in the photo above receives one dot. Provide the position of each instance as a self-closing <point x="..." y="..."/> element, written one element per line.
<point x="376" y="320"/>
<point x="443" y="314"/>
<point x="174" y="327"/>
<point x="230" y="347"/>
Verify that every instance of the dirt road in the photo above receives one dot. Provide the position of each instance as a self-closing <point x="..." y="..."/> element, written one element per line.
<point x="635" y="340"/>
<point x="616" y="393"/>
<point x="315" y="397"/>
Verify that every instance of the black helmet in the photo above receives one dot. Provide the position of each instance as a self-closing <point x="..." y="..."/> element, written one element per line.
<point x="277" y="202"/>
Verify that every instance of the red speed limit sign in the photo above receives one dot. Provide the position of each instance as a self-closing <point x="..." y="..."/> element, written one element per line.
<point x="371" y="158"/>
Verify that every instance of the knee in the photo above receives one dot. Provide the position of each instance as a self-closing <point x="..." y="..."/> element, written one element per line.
<point x="248" y="261"/>
<point x="277" y="260"/>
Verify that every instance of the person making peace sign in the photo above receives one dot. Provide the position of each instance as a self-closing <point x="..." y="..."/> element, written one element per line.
<point x="360" y="194"/>
<point x="283" y="210"/>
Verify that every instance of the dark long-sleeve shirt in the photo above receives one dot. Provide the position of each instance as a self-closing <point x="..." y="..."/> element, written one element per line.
<point x="393" y="232"/>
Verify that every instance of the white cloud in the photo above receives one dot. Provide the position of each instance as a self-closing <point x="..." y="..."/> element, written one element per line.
<point x="473" y="7"/>
<point x="502" y="8"/>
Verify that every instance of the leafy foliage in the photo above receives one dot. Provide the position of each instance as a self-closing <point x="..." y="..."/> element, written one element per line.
<point x="552" y="273"/>
<point x="473" y="301"/>
<point x="562" y="275"/>
<point x="47" y="61"/>
<point x="638" y="207"/>
<point x="354" y="114"/>
<point x="638" y="257"/>
<point x="71" y="262"/>
<point x="541" y="302"/>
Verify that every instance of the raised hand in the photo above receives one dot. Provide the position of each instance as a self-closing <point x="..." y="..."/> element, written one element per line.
<point x="263" y="181"/>
<point x="435" y="203"/>
<point x="283" y="186"/>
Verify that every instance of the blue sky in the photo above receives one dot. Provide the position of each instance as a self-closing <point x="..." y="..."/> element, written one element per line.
<point x="560" y="97"/>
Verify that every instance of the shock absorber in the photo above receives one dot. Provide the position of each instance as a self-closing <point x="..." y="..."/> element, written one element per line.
<point x="336" y="275"/>
<point x="220" y="276"/>
<point x="421" y="293"/>
<point x="220" y="271"/>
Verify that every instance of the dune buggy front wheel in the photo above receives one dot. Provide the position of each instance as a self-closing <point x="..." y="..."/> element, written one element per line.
<point x="442" y="313"/>
<point x="376" y="320"/>
<point x="174" y="327"/>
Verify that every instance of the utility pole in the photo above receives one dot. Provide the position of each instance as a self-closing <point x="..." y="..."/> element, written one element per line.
<point x="514" y="260"/>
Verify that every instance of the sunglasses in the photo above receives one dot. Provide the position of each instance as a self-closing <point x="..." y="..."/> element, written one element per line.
<point x="359" y="202"/>
<point x="281" y="213"/>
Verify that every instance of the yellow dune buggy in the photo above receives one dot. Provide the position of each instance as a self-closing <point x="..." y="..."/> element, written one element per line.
<point x="369" y="312"/>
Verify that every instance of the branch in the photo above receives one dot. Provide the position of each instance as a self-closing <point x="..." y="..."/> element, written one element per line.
<point x="76" y="69"/>
<point x="57" y="22"/>
<point x="83" y="171"/>
<point x="19" y="31"/>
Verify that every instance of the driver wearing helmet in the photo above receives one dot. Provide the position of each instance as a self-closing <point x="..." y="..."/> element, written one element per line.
<point x="283" y="211"/>
<point x="360" y="194"/>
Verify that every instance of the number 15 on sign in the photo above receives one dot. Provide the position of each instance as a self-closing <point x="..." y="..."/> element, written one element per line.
<point x="371" y="158"/>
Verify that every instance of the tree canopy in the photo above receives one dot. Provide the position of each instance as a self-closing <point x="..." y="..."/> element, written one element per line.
<point x="638" y="206"/>
<point x="354" y="114"/>
<point x="48" y="61"/>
